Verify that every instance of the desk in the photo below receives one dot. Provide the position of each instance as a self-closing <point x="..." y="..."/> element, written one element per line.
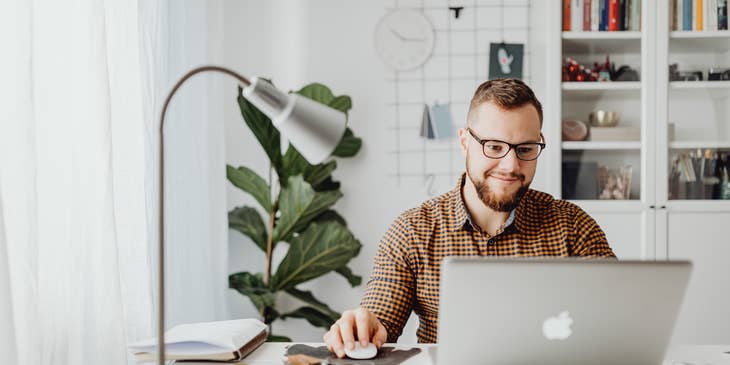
<point x="271" y="353"/>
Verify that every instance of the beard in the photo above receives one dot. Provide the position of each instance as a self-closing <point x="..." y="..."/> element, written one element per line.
<point x="490" y="198"/>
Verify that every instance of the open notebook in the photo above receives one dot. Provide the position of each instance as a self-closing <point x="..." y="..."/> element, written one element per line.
<point x="216" y="341"/>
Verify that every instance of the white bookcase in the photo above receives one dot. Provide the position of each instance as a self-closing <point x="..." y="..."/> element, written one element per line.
<point x="652" y="225"/>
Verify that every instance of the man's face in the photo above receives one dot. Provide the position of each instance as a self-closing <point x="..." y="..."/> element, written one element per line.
<point x="500" y="183"/>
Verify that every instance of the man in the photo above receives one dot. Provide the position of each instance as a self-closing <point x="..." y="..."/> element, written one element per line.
<point x="491" y="212"/>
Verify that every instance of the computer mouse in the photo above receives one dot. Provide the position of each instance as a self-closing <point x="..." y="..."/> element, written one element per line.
<point x="362" y="353"/>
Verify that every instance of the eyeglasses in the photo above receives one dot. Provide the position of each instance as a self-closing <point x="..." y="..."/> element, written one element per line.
<point x="493" y="148"/>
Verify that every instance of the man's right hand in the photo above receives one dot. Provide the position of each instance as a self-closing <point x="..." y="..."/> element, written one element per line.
<point x="355" y="325"/>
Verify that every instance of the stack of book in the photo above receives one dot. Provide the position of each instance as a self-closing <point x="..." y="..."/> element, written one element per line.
<point x="698" y="14"/>
<point x="601" y="15"/>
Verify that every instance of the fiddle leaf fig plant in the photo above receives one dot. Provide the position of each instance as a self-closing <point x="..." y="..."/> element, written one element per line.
<point x="297" y="209"/>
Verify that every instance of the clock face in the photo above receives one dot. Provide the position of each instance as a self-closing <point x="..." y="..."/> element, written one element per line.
<point x="404" y="39"/>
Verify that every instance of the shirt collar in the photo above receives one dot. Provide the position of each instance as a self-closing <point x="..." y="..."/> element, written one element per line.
<point x="463" y="219"/>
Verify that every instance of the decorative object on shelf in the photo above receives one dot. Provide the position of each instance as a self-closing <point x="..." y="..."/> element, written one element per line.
<point x="615" y="134"/>
<point x="574" y="71"/>
<point x="699" y="175"/>
<point x="505" y="60"/>
<point x="574" y="130"/>
<point x="602" y="118"/>
<point x="298" y="210"/>
<point x="404" y="39"/>
<point x="676" y="75"/>
<point x="717" y="74"/>
<point x="614" y="184"/>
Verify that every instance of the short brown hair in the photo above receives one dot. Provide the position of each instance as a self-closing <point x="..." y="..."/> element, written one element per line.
<point x="507" y="94"/>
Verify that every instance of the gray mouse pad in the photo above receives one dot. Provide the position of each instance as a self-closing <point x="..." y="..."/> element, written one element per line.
<point x="387" y="355"/>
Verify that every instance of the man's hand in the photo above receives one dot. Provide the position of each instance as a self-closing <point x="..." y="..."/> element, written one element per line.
<point x="358" y="323"/>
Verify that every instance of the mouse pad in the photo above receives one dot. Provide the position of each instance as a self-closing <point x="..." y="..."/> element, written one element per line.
<point x="387" y="355"/>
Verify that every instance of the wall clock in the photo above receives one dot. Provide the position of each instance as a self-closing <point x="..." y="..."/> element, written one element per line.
<point x="404" y="39"/>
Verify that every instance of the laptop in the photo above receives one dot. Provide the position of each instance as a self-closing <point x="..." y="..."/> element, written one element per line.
<point x="557" y="311"/>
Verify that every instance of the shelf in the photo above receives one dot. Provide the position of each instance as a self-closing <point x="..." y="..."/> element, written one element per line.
<point x="724" y="84"/>
<point x="689" y="41"/>
<point x="601" y="42"/>
<point x="601" y="145"/>
<point x="593" y="90"/>
<point x="702" y="34"/>
<point x="610" y="206"/>
<point x="601" y="86"/>
<point x="679" y="145"/>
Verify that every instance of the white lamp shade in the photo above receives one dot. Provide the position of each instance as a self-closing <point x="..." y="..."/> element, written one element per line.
<point x="313" y="128"/>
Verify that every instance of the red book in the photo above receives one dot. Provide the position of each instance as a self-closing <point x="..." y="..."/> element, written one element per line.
<point x="613" y="15"/>
<point x="566" y="15"/>
<point x="587" y="15"/>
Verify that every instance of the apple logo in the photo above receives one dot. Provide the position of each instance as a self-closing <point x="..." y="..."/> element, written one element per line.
<point x="558" y="328"/>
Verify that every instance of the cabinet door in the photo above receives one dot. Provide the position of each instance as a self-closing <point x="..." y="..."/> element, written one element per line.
<point x="704" y="239"/>
<point x="630" y="234"/>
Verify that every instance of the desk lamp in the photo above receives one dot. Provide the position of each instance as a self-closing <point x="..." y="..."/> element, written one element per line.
<point x="314" y="129"/>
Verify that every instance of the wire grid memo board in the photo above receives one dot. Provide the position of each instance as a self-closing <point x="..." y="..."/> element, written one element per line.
<point x="459" y="63"/>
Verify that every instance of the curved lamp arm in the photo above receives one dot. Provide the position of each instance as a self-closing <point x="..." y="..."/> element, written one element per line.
<point x="313" y="128"/>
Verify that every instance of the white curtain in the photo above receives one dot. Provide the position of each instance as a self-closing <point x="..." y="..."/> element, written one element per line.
<point x="81" y="83"/>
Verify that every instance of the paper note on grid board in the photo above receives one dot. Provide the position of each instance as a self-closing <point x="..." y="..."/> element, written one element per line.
<point x="436" y="122"/>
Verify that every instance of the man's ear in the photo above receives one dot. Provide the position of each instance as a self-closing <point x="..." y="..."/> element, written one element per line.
<point x="463" y="140"/>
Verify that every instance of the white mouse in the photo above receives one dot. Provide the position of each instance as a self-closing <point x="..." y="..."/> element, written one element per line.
<point x="362" y="353"/>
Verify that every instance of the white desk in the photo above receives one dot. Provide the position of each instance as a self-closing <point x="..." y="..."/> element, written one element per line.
<point x="271" y="353"/>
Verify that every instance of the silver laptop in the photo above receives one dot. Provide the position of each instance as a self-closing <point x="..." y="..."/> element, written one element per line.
<point x="565" y="311"/>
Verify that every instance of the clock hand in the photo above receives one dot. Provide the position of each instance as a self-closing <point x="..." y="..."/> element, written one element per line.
<point x="397" y="34"/>
<point x="406" y="39"/>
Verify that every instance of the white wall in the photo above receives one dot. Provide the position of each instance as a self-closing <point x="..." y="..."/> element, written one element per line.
<point x="330" y="41"/>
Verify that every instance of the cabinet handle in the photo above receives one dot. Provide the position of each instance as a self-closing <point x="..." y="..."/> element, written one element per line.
<point x="652" y="207"/>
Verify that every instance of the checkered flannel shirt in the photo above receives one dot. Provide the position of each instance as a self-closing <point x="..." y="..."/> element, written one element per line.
<point x="406" y="273"/>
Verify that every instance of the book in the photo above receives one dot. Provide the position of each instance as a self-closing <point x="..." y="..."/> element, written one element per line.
<point x="711" y="15"/>
<point x="587" y="15"/>
<point x="622" y="14"/>
<point x="576" y="15"/>
<point x="566" y="15"/>
<point x="699" y="15"/>
<point x="209" y="341"/>
<point x="603" y="24"/>
<point x="635" y="17"/>
<point x="687" y="15"/>
<point x="722" y="15"/>
<point x="673" y="15"/>
<point x="613" y="15"/>
<point x="595" y="15"/>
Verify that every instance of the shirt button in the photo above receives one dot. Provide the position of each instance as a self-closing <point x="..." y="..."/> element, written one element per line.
<point x="490" y="241"/>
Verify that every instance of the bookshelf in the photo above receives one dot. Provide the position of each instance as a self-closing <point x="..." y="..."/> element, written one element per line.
<point x="663" y="219"/>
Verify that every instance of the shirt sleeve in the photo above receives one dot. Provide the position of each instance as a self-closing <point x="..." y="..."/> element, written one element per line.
<point x="391" y="289"/>
<point x="590" y="241"/>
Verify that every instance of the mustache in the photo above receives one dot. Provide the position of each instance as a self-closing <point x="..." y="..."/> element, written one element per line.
<point x="508" y="175"/>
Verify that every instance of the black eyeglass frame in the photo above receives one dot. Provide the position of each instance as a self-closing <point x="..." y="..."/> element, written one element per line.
<point x="511" y="146"/>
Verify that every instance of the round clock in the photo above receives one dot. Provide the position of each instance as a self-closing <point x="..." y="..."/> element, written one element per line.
<point x="404" y="39"/>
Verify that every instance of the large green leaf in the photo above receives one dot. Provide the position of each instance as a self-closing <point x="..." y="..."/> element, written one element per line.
<point x="252" y="286"/>
<point x="317" y="92"/>
<point x="349" y="145"/>
<point x="312" y="315"/>
<point x="293" y="164"/>
<point x="342" y="103"/>
<point x="262" y="128"/>
<point x="248" y="181"/>
<point x="308" y="297"/>
<point x="299" y="204"/>
<point x="248" y="221"/>
<point x="330" y="215"/>
<point x="353" y="279"/>
<point x="318" y="250"/>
